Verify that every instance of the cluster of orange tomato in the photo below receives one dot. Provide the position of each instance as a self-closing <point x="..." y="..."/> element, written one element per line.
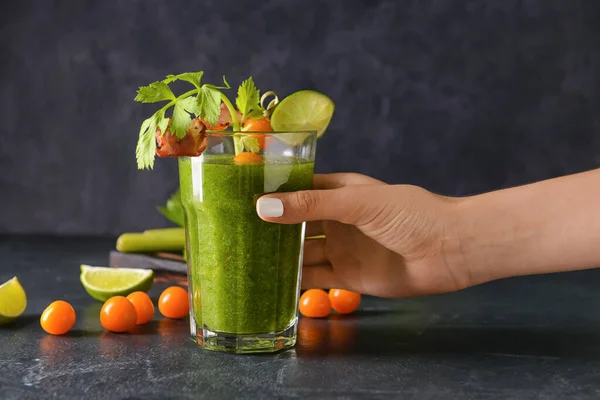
<point x="122" y="314"/>
<point x="317" y="303"/>
<point x="119" y="313"/>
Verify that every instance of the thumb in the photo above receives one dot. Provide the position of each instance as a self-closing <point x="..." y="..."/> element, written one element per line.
<point x="343" y="205"/>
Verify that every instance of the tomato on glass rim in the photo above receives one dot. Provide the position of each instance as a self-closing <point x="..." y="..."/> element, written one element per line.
<point x="258" y="125"/>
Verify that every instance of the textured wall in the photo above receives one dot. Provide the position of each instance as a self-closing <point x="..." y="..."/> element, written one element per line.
<point x="457" y="96"/>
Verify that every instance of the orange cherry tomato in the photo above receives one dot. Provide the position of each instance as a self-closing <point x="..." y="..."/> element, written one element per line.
<point x="143" y="307"/>
<point x="58" y="318"/>
<point x="247" y="157"/>
<point x="344" y="301"/>
<point x="315" y="303"/>
<point x="118" y="314"/>
<point x="259" y="125"/>
<point x="174" y="303"/>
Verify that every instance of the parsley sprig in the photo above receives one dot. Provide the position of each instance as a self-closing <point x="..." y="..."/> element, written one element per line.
<point x="204" y="101"/>
<point x="248" y="100"/>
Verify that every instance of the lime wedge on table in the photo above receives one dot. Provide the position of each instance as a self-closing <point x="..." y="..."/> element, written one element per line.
<point x="13" y="300"/>
<point x="102" y="283"/>
<point x="305" y="110"/>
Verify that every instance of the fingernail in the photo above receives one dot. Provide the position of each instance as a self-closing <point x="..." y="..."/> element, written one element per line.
<point x="269" y="207"/>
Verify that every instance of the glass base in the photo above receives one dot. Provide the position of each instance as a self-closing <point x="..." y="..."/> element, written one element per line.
<point x="246" y="344"/>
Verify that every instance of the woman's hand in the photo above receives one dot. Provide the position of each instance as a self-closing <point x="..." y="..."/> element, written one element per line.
<point x="383" y="240"/>
<point x="399" y="241"/>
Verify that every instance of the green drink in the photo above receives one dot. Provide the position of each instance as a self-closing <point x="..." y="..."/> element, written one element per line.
<point x="243" y="272"/>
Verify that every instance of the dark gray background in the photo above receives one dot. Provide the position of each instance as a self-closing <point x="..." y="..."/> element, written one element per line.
<point x="457" y="96"/>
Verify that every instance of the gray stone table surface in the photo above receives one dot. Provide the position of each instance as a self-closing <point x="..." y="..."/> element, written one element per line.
<point x="530" y="338"/>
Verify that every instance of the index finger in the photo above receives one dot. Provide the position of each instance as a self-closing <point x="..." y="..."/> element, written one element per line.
<point x="339" y="180"/>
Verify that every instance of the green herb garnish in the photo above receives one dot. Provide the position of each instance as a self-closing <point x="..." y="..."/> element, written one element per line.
<point x="204" y="102"/>
<point x="173" y="209"/>
<point x="242" y="142"/>
<point x="248" y="100"/>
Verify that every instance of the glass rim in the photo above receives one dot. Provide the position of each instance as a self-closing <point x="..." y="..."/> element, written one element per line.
<point x="228" y="133"/>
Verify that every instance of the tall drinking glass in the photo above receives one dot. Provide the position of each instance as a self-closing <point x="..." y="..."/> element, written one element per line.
<point x="243" y="272"/>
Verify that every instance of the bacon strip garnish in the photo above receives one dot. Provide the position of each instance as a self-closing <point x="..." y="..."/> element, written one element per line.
<point x="194" y="142"/>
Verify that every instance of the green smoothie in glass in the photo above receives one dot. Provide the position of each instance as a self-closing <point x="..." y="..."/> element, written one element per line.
<point x="243" y="272"/>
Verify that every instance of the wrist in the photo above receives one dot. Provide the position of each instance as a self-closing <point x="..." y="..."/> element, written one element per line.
<point x="455" y="245"/>
<point x="495" y="236"/>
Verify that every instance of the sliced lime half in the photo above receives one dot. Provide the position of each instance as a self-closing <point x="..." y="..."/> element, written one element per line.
<point x="13" y="300"/>
<point x="305" y="110"/>
<point x="102" y="283"/>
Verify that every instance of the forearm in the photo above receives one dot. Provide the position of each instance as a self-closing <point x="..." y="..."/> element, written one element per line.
<point x="549" y="226"/>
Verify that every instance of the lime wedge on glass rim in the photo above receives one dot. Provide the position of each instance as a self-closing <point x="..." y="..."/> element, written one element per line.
<point x="305" y="110"/>
<point x="102" y="283"/>
<point x="13" y="300"/>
